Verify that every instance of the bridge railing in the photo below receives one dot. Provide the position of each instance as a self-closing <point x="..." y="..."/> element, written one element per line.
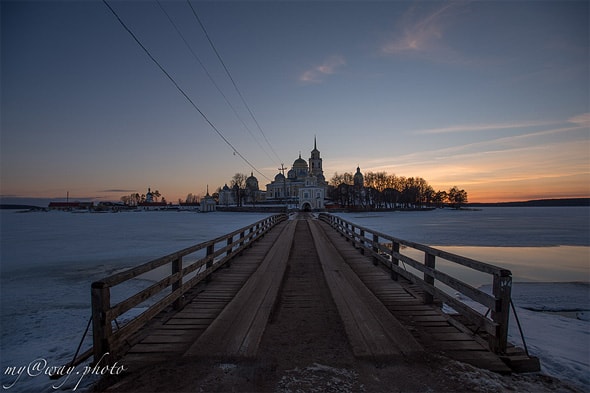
<point x="209" y="255"/>
<point x="385" y="249"/>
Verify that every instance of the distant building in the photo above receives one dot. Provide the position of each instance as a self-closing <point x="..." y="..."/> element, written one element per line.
<point x="149" y="203"/>
<point x="252" y="192"/>
<point x="358" y="187"/>
<point x="227" y="196"/>
<point x="149" y="197"/>
<point x="207" y="203"/>
<point x="152" y="205"/>
<point x="305" y="185"/>
<point x="68" y="206"/>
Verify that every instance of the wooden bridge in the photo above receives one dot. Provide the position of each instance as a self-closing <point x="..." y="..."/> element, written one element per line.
<point x="219" y="298"/>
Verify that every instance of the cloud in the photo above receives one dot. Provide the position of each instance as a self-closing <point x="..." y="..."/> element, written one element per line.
<point x="484" y="127"/>
<point x="582" y="120"/>
<point x="328" y="67"/>
<point x="424" y="35"/>
<point x="117" y="190"/>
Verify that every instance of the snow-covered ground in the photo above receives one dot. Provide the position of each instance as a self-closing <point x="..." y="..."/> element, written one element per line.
<point x="49" y="259"/>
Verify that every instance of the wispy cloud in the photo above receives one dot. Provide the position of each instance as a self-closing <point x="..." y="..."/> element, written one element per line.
<point x="423" y="35"/>
<point x="582" y="120"/>
<point x="484" y="127"/>
<point x="116" y="190"/>
<point x="328" y="67"/>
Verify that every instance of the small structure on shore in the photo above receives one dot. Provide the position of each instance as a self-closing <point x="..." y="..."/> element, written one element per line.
<point x="208" y="204"/>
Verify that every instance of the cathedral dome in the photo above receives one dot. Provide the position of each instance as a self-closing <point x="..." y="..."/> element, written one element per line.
<point x="279" y="177"/>
<point x="358" y="178"/>
<point x="300" y="163"/>
<point x="252" y="182"/>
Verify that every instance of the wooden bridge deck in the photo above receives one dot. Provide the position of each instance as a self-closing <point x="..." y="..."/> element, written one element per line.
<point x="227" y="316"/>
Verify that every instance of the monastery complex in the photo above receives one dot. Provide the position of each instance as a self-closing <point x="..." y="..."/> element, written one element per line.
<point x="304" y="187"/>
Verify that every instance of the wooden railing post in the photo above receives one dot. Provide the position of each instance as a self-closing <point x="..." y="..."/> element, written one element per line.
<point x="361" y="241"/>
<point x="177" y="268"/>
<point x="230" y="240"/>
<point x="502" y="288"/>
<point x="209" y="253"/>
<point x="394" y="260"/>
<point x="101" y="327"/>
<point x="338" y="223"/>
<point x="429" y="261"/>
<point x="375" y="249"/>
<point x="242" y="235"/>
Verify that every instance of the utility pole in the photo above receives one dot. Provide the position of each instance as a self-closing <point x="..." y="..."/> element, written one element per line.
<point x="282" y="169"/>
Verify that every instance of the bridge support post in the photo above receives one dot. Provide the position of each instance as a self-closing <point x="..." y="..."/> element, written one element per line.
<point x="242" y="234"/>
<point x="394" y="260"/>
<point x="361" y="241"/>
<point x="177" y="268"/>
<point x="375" y="249"/>
<point x="502" y="288"/>
<point x="429" y="261"/>
<point x="210" y="250"/>
<point x="230" y="240"/>
<point x="101" y="327"/>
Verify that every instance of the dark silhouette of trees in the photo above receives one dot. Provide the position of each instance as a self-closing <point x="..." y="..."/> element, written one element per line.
<point x="457" y="197"/>
<point x="238" y="185"/>
<point x="390" y="191"/>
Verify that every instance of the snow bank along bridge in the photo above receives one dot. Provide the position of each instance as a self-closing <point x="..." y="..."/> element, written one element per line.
<point x="216" y="298"/>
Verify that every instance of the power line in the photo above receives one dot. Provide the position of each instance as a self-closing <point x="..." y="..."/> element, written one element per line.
<point x="235" y="151"/>
<point x="231" y="78"/>
<point x="211" y="78"/>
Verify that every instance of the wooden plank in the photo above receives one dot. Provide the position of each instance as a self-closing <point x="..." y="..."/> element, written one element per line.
<point x="162" y="339"/>
<point x="196" y="322"/>
<point x="428" y="318"/>
<point x="237" y="331"/>
<point x="158" y="348"/>
<point x="181" y="328"/>
<point x="440" y="329"/>
<point x="453" y="336"/>
<point x="371" y="329"/>
<point x="459" y="346"/>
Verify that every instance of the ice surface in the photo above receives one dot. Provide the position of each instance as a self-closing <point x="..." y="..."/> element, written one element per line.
<point x="48" y="261"/>
<point x="561" y="343"/>
<point x="490" y="226"/>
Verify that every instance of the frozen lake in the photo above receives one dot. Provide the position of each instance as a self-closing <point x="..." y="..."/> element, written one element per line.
<point x="49" y="259"/>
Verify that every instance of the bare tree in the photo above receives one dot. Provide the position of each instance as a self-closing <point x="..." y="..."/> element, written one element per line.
<point x="238" y="183"/>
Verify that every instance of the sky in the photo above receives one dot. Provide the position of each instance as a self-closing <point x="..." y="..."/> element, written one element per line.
<point x="492" y="97"/>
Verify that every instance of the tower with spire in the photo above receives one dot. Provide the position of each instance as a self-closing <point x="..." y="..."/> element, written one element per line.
<point x="315" y="161"/>
<point x="304" y="186"/>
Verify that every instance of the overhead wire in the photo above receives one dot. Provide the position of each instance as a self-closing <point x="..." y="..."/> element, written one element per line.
<point x="136" y="39"/>
<point x="231" y="78"/>
<point x="211" y="78"/>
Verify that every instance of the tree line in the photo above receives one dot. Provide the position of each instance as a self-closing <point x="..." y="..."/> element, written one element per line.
<point x="381" y="190"/>
<point x="135" y="198"/>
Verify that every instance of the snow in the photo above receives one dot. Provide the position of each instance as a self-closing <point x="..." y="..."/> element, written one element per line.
<point x="49" y="259"/>
<point x="553" y="329"/>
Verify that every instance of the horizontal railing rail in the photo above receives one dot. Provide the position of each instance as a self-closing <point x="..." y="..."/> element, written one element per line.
<point x="217" y="253"/>
<point x="385" y="249"/>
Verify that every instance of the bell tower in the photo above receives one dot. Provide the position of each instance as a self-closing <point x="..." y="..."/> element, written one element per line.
<point x="315" y="162"/>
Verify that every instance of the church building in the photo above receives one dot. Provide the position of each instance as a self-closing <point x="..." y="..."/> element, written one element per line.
<point x="304" y="187"/>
